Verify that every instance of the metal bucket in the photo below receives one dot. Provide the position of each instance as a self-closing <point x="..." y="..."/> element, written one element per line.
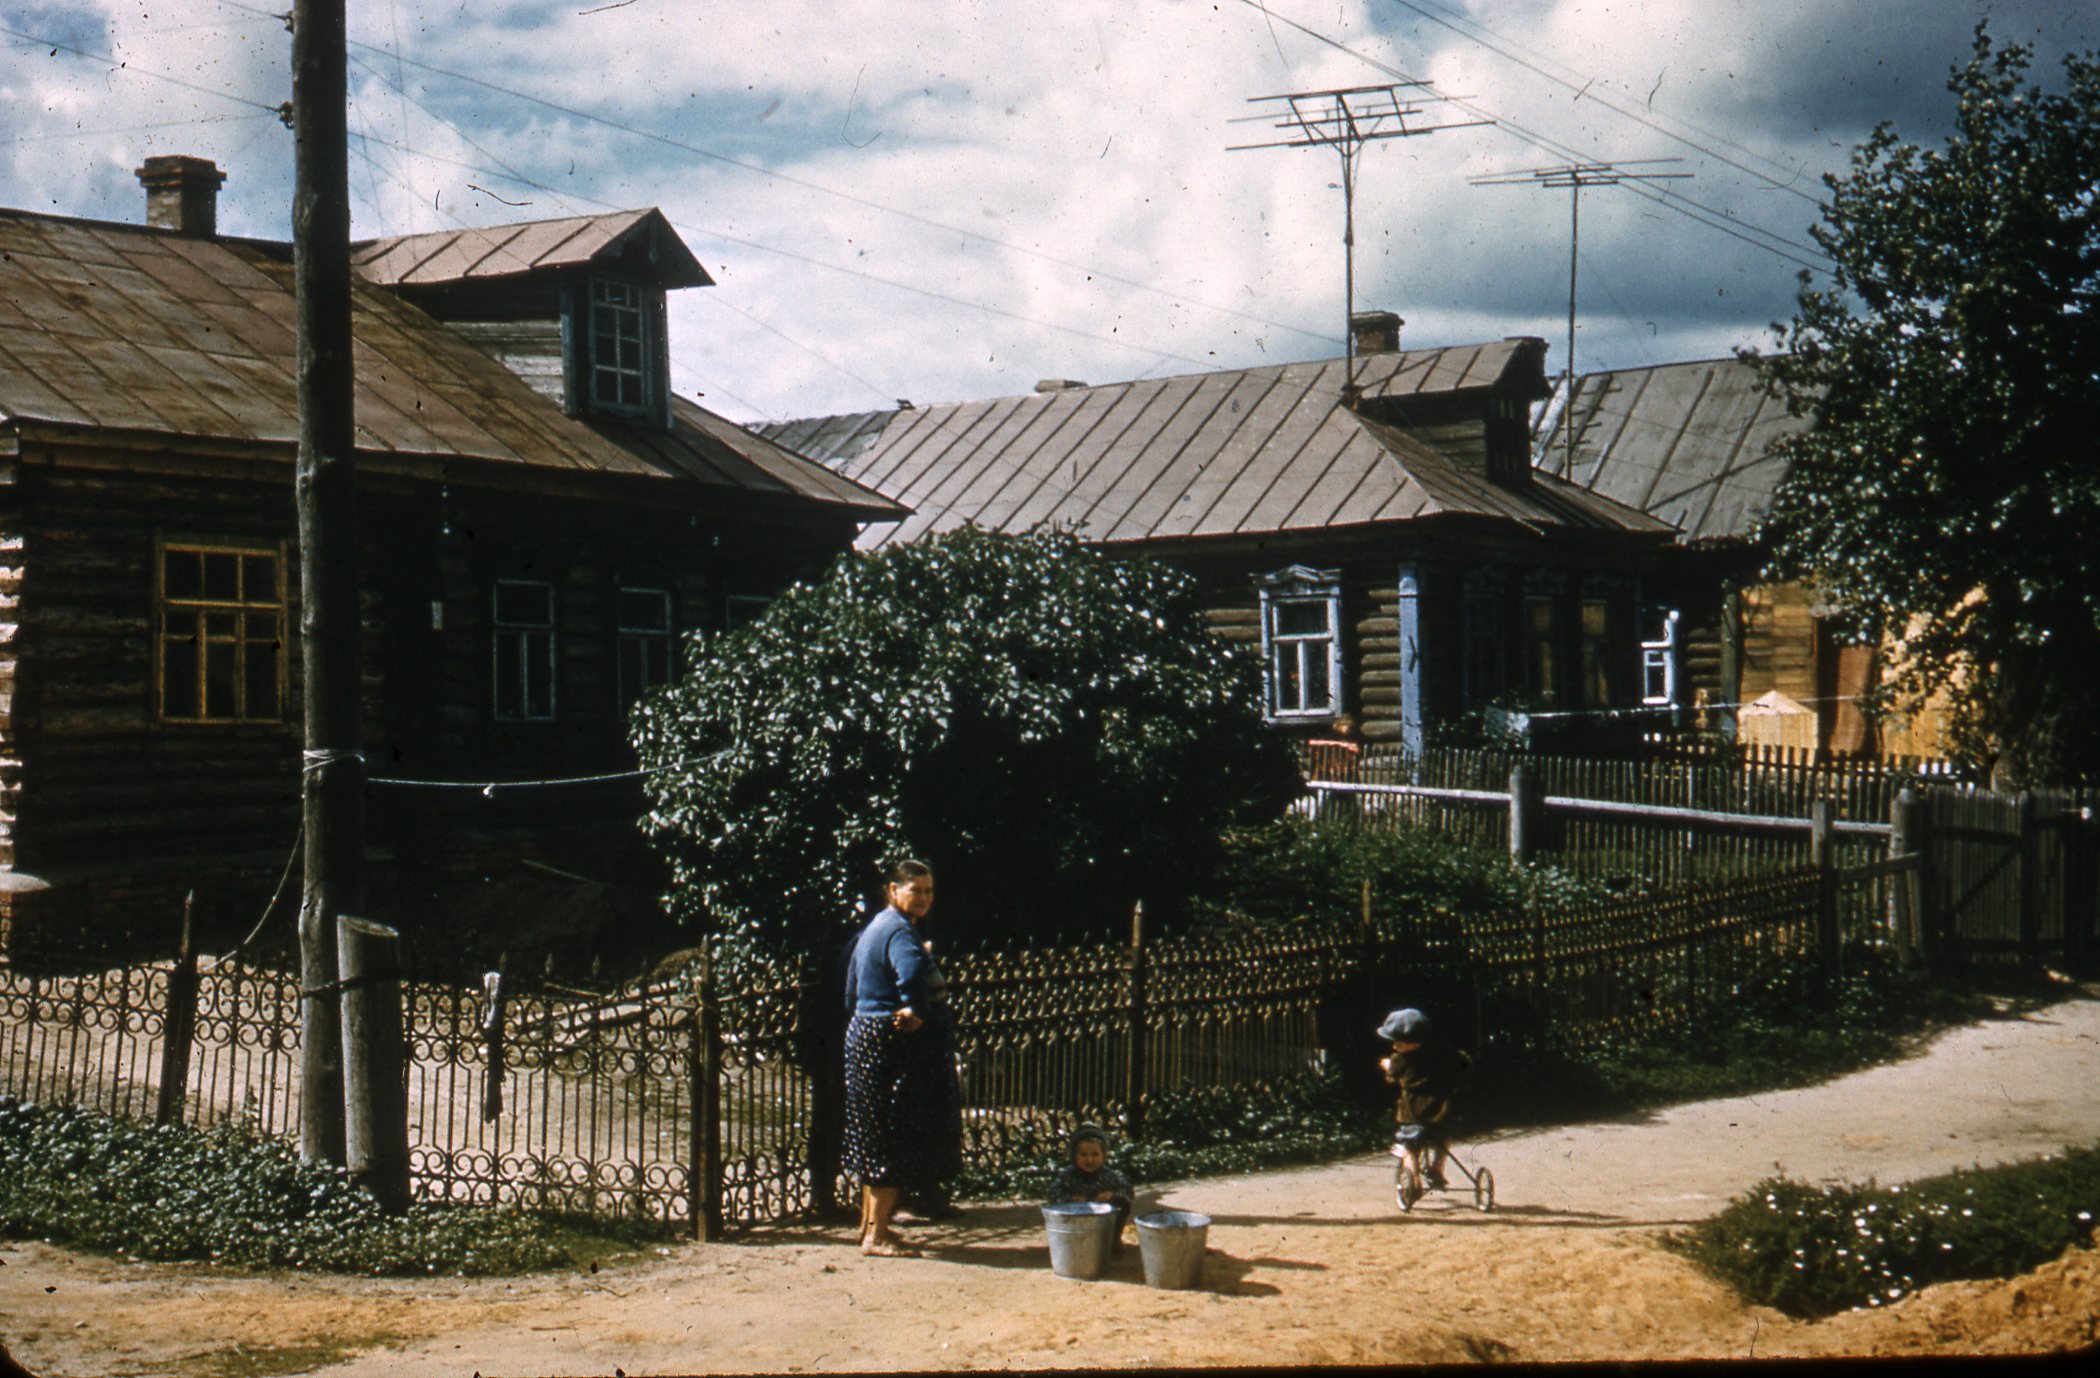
<point x="1081" y="1235"/>
<point x="1173" y="1243"/>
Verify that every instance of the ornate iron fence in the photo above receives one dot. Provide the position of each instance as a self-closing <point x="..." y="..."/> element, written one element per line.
<point x="698" y="1102"/>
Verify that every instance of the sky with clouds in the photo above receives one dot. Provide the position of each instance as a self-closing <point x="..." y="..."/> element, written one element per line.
<point x="942" y="201"/>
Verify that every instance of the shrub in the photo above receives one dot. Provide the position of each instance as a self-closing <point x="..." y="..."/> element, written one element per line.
<point x="1058" y="733"/>
<point x="233" y="1195"/>
<point x="1816" y="1250"/>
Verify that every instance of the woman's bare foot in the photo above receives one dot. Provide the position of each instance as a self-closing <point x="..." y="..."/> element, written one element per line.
<point x="887" y="1246"/>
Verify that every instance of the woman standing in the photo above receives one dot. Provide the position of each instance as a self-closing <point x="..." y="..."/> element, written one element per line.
<point x="903" y="1106"/>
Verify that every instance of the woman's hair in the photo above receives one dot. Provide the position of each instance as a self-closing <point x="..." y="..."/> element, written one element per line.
<point x="907" y="871"/>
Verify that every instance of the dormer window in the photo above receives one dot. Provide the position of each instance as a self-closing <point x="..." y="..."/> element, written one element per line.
<point x="625" y="345"/>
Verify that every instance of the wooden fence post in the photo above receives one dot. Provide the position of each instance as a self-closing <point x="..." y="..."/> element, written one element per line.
<point x="704" y="1185"/>
<point x="1822" y="854"/>
<point x="1134" y="1028"/>
<point x="1523" y="815"/>
<point x="375" y="1083"/>
<point x="1908" y="821"/>
<point x="178" y="1025"/>
<point x="2028" y="873"/>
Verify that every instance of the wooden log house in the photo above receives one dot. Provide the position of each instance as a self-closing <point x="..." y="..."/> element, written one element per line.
<point x="539" y="520"/>
<point x="1375" y="525"/>
<point x="1689" y="443"/>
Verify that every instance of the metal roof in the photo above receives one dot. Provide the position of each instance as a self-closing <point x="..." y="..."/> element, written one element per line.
<point x="418" y="260"/>
<point x="1236" y="452"/>
<point x="1688" y="443"/>
<point x="123" y="328"/>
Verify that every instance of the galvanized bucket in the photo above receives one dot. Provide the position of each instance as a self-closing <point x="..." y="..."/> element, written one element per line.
<point x="1173" y="1243"/>
<point x="1081" y="1235"/>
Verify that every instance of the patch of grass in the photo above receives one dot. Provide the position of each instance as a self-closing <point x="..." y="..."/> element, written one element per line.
<point x="1814" y="1251"/>
<point x="235" y="1196"/>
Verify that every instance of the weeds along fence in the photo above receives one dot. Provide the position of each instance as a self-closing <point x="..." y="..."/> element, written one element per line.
<point x="710" y="1101"/>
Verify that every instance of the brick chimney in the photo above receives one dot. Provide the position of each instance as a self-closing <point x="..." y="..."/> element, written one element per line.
<point x="182" y="193"/>
<point x="1376" y="332"/>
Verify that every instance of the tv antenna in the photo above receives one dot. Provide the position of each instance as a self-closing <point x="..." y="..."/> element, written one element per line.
<point x="1345" y="119"/>
<point x="1576" y="176"/>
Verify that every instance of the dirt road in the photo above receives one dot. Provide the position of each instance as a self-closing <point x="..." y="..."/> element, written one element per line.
<point x="1305" y="1267"/>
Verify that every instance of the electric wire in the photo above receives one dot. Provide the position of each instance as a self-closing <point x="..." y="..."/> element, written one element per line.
<point x="1696" y="211"/>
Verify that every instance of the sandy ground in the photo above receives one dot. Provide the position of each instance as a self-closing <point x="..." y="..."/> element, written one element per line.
<point x="1308" y="1266"/>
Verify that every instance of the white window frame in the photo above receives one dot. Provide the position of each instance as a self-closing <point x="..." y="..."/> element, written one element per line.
<point x="1298" y="587"/>
<point x="523" y="633"/>
<point x="1661" y="656"/>
<point x="633" y="308"/>
<point x="630" y="636"/>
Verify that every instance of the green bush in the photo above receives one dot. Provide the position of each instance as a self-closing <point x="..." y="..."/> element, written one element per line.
<point x="233" y="1195"/>
<point x="1298" y="872"/>
<point x="1813" y="1251"/>
<point x="1058" y="733"/>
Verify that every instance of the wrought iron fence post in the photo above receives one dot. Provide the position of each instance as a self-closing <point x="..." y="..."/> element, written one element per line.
<point x="178" y="1024"/>
<point x="1134" y="1031"/>
<point x="704" y="1188"/>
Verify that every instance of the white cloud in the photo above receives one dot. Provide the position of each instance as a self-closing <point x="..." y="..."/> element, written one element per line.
<point x="964" y="198"/>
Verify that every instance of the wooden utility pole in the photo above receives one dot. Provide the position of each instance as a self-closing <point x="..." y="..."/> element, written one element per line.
<point x="375" y="1089"/>
<point x="333" y="779"/>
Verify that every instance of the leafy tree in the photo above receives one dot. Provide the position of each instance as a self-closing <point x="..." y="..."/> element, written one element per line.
<point x="1947" y="496"/>
<point x="1057" y="733"/>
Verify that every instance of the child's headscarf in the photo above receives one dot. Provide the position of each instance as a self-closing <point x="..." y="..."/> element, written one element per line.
<point x="1085" y="1133"/>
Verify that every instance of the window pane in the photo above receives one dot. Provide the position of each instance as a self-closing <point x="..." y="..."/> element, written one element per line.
<point x="1301" y="616"/>
<point x="218" y="626"/>
<point x="659" y="669"/>
<point x="182" y="574"/>
<point x="179" y="676"/>
<point x="261" y="665"/>
<point x="1593" y="618"/>
<point x="1317" y="694"/>
<point x="259" y="578"/>
<point x="645" y="610"/>
<point x="220" y="665"/>
<point x="539" y="675"/>
<point x="510" y="690"/>
<point x="222" y="578"/>
<point x="1290" y="686"/>
<point x="527" y="605"/>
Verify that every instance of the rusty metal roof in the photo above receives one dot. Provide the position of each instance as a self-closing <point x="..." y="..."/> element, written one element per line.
<point x="1237" y="452"/>
<point x="1688" y="443"/>
<point x="122" y="328"/>
<point x="418" y="260"/>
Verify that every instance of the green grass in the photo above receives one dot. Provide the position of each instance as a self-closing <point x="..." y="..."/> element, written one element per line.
<point x="235" y="1196"/>
<point x="1813" y="1251"/>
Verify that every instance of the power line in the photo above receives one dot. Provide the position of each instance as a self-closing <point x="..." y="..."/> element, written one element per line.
<point x="1587" y="90"/>
<point x="1685" y="206"/>
<point x="808" y="185"/>
<point x="116" y="64"/>
<point x="1576" y="176"/>
<point x="1345" y="119"/>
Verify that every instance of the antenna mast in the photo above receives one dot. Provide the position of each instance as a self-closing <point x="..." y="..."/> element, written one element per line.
<point x="1345" y="119"/>
<point x="1575" y="176"/>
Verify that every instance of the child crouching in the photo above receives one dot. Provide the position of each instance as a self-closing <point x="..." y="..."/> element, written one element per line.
<point x="1086" y="1176"/>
